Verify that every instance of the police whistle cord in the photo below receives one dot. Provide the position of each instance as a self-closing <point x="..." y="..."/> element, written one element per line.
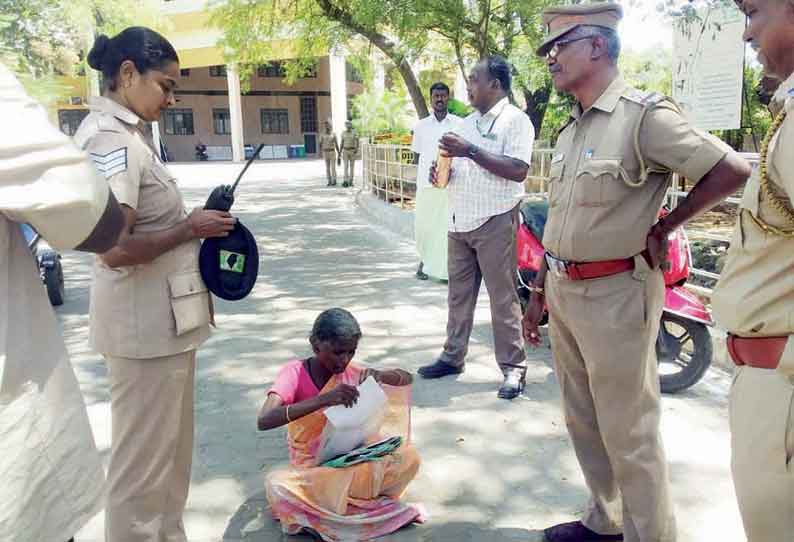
<point x="222" y="197"/>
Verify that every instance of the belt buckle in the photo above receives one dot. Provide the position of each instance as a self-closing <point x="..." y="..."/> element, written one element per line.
<point x="558" y="268"/>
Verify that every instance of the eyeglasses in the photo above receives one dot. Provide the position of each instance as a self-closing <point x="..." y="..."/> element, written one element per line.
<point x="560" y="44"/>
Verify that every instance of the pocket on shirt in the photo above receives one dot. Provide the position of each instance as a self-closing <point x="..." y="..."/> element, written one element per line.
<point x="599" y="182"/>
<point x="189" y="301"/>
<point x="555" y="183"/>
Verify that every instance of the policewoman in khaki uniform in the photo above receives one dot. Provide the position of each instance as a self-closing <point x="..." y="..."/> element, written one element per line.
<point x="602" y="280"/>
<point x="330" y="148"/>
<point x="150" y="310"/>
<point x="754" y="300"/>
<point x="349" y="152"/>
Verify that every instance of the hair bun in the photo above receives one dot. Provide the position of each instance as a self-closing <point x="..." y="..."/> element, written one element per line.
<point x="98" y="52"/>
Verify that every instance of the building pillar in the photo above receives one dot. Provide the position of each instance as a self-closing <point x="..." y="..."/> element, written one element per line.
<point x="235" y="112"/>
<point x="336" y="61"/>
<point x="156" y="138"/>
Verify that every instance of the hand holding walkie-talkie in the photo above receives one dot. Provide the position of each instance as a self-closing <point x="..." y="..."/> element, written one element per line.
<point x="229" y="265"/>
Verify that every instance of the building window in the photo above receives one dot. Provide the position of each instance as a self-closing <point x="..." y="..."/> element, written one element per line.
<point x="178" y="121"/>
<point x="275" y="121"/>
<point x="271" y="69"/>
<point x="308" y="114"/>
<point x="221" y="121"/>
<point x="352" y="73"/>
<point x="218" y="71"/>
<point x="70" y="119"/>
<point x="185" y="72"/>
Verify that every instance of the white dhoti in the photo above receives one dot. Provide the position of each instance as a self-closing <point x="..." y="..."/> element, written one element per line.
<point x="430" y="230"/>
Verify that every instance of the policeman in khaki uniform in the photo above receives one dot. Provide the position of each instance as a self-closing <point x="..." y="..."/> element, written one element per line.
<point x="602" y="280"/>
<point x="52" y="482"/>
<point x="349" y="152"/>
<point x="330" y="148"/>
<point x="150" y="309"/>
<point x="754" y="300"/>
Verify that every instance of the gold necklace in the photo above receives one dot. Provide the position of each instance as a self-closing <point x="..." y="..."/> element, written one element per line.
<point x="776" y="200"/>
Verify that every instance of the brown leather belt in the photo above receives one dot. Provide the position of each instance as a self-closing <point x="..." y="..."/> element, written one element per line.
<point x="587" y="270"/>
<point x="759" y="352"/>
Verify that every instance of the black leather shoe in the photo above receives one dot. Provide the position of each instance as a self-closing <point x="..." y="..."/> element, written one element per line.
<point x="576" y="532"/>
<point x="421" y="275"/>
<point x="439" y="369"/>
<point x="513" y="384"/>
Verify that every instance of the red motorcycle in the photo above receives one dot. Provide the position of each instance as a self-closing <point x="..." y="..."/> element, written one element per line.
<point x="683" y="347"/>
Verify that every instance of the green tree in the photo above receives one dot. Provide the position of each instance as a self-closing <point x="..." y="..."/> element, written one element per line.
<point x="41" y="40"/>
<point x="256" y="31"/>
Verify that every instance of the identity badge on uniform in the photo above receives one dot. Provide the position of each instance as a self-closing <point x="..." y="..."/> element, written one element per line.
<point x="588" y="154"/>
<point x="232" y="261"/>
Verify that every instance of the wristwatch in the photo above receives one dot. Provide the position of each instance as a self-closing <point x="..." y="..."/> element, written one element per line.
<point x="472" y="152"/>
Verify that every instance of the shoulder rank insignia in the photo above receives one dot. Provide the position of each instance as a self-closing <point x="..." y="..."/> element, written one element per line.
<point x="111" y="163"/>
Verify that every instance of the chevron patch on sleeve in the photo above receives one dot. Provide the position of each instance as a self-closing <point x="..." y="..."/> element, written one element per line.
<point x="111" y="163"/>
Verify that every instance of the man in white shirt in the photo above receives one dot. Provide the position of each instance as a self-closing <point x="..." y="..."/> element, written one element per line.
<point x="492" y="153"/>
<point x="430" y="217"/>
<point x="50" y="470"/>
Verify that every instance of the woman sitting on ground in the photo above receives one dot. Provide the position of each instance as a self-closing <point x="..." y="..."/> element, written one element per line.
<point x="357" y="502"/>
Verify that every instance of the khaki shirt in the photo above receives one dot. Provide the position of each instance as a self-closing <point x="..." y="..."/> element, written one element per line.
<point x="51" y="477"/>
<point x="755" y="294"/>
<point x="328" y="143"/>
<point x="349" y="141"/>
<point x="593" y="213"/>
<point x="150" y="310"/>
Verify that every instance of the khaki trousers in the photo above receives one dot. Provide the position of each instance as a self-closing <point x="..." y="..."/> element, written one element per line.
<point x="603" y="334"/>
<point x="152" y="447"/>
<point x="762" y="443"/>
<point x="349" y="161"/>
<point x="330" y="166"/>
<point x="488" y="253"/>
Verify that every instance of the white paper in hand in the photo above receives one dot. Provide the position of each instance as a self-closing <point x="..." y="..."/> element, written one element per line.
<point x="349" y="428"/>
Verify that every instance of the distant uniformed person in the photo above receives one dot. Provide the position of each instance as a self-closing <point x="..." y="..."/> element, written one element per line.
<point x="602" y="279"/>
<point x="330" y="149"/>
<point x="349" y="152"/>
<point x="754" y="299"/>
<point x="150" y="310"/>
<point x="51" y="477"/>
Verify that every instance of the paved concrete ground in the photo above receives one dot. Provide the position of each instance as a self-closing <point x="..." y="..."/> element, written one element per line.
<point x="492" y="470"/>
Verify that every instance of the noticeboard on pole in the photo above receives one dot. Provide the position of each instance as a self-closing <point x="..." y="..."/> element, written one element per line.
<point x="708" y="62"/>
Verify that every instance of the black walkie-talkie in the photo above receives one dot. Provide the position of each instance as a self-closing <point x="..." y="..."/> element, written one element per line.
<point x="222" y="197"/>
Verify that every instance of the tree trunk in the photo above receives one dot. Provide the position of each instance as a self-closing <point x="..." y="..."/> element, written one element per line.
<point x="537" y="101"/>
<point x="388" y="47"/>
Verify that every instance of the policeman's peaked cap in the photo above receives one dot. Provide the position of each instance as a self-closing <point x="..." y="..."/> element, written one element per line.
<point x="560" y="20"/>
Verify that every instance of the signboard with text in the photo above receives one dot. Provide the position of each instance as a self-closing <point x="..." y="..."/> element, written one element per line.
<point x="708" y="61"/>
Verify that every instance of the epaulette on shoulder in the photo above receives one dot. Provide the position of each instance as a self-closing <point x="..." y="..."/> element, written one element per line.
<point x="645" y="97"/>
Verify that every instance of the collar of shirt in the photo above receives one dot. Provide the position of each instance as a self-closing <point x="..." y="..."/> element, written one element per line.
<point x="784" y="92"/>
<point x="607" y="101"/>
<point x="106" y="105"/>
<point x="435" y="120"/>
<point x="494" y="111"/>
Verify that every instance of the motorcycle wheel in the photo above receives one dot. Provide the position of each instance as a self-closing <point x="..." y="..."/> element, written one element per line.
<point x="684" y="351"/>
<point x="53" y="280"/>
